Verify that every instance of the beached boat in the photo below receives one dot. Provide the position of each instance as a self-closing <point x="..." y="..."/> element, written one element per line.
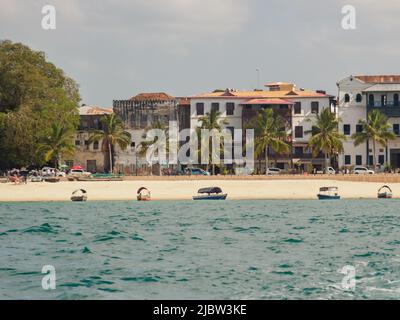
<point x="328" y="193"/>
<point x="79" y="195"/>
<point x="211" y="193"/>
<point x="51" y="179"/>
<point x="385" y="192"/>
<point x="143" y="194"/>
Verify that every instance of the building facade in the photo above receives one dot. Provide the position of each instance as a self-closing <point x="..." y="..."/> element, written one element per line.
<point x="90" y="156"/>
<point x="297" y="106"/>
<point x="143" y="112"/>
<point x="358" y="95"/>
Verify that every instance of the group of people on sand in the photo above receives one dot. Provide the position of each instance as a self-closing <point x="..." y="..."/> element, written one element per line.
<point x="18" y="176"/>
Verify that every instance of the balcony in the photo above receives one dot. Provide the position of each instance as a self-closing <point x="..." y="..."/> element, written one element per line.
<point x="390" y="108"/>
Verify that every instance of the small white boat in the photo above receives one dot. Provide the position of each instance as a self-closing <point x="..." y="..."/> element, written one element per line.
<point x="211" y="193"/>
<point x="328" y="193"/>
<point x="143" y="194"/>
<point x="385" y="192"/>
<point x="79" y="195"/>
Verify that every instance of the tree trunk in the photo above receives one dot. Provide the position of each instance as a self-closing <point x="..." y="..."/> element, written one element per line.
<point x="374" y="154"/>
<point x="266" y="160"/>
<point x="326" y="162"/>
<point x="110" y="155"/>
<point x="213" y="169"/>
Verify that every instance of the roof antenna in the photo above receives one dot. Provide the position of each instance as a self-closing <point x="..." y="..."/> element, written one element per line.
<point x="258" y="78"/>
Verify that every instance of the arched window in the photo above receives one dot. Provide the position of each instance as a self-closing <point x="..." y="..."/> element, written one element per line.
<point x="371" y="100"/>
<point x="346" y="97"/>
<point x="359" y="97"/>
<point x="396" y="100"/>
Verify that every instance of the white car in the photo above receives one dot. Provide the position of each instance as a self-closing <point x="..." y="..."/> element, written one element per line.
<point x="78" y="172"/>
<point x="362" y="170"/>
<point x="273" y="171"/>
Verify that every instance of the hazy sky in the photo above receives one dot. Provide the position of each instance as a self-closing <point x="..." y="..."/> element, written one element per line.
<point x="115" y="49"/>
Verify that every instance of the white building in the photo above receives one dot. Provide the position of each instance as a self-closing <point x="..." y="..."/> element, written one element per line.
<point x="357" y="96"/>
<point x="297" y="106"/>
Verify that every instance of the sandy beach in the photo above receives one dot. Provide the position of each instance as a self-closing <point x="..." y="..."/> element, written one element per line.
<point x="185" y="189"/>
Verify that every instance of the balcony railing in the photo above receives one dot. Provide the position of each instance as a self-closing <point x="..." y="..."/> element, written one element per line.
<point x="390" y="108"/>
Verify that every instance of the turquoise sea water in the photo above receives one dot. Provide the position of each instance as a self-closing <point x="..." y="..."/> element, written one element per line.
<point x="201" y="250"/>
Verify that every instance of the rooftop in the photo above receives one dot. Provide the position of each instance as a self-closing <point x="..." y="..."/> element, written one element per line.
<point x="158" y="96"/>
<point x="280" y="94"/>
<point x="379" y="79"/>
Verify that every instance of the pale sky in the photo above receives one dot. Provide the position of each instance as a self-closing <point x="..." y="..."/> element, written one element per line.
<point x="115" y="49"/>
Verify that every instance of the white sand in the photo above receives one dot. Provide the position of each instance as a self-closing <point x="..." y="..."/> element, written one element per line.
<point x="184" y="190"/>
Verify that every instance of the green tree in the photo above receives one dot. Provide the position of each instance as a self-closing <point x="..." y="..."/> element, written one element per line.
<point x="325" y="135"/>
<point x="34" y="95"/>
<point x="269" y="133"/>
<point x="375" y="128"/>
<point x="60" y="141"/>
<point x="112" y="134"/>
<point x="212" y="121"/>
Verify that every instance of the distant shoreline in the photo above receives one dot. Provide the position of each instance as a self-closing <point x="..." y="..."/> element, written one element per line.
<point x="269" y="188"/>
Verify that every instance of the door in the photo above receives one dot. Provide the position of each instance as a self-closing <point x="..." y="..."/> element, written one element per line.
<point x="91" y="166"/>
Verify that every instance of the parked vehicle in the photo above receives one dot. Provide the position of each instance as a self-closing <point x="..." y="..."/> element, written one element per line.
<point x="273" y="171"/>
<point x="196" y="172"/>
<point x="363" y="170"/>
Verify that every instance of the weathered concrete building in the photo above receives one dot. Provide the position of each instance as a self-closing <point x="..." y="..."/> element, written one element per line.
<point x="143" y="112"/>
<point x="90" y="156"/>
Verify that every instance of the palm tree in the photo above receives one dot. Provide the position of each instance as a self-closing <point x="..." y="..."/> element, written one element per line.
<point x="270" y="132"/>
<point x="149" y="147"/>
<point x="212" y="121"/>
<point x="325" y="135"/>
<point x="375" y="128"/>
<point x="112" y="134"/>
<point x="58" y="142"/>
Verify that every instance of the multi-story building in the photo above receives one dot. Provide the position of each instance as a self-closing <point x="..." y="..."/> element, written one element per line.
<point x="359" y="95"/>
<point x="297" y="106"/>
<point x="90" y="156"/>
<point x="141" y="113"/>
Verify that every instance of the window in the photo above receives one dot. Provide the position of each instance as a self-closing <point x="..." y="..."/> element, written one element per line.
<point x="200" y="109"/>
<point x="77" y="142"/>
<point x="359" y="128"/>
<point x="359" y="97"/>
<point x="396" y="129"/>
<point x="230" y="108"/>
<point x="298" y="151"/>
<point x="215" y="107"/>
<point x="396" y="100"/>
<point x="346" y="97"/>
<point x="87" y="144"/>
<point x="358" y="160"/>
<point x="297" y="108"/>
<point x="346" y="129"/>
<point x="371" y="160"/>
<point x="315" y="107"/>
<point x="298" y="132"/>
<point x="95" y="145"/>
<point x="347" y="160"/>
<point x="371" y="100"/>
<point x="381" y="159"/>
<point x="69" y="163"/>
